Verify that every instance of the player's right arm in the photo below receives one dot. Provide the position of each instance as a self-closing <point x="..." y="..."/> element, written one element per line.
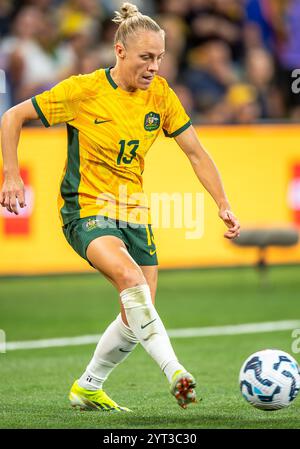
<point x="11" y="125"/>
<point x="57" y="105"/>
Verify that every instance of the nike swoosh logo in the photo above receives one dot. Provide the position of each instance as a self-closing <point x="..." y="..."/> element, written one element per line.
<point x="152" y="252"/>
<point x="143" y="327"/>
<point x="97" y="122"/>
<point x="123" y="350"/>
<point x="149" y="336"/>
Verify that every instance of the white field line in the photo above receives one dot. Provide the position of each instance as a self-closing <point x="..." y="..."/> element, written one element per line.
<point x="237" y="329"/>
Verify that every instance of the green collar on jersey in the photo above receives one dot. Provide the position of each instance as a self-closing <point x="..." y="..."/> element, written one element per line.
<point x="110" y="80"/>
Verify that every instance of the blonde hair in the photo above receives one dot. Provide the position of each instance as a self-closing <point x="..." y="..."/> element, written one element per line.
<point x="130" y="21"/>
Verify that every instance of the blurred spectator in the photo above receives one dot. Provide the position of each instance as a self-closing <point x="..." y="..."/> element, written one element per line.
<point x="6" y="10"/>
<point x="259" y="23"/>
<point x="186" y="97"/>
<point x="45" y="6"/>
<point x="176" y="30"/>
<point x="36" y="60"/>
<point x="230" y="61"/>
<point x="77" y="15"/>
<point x="177" y="8"/>
<point x="286" y="17"/>
<point x="260" y="73"/>
<point x="169" y="68"/>
<point x="217" y="19"/>
<point x="209" y="75"/>
<point x="278" y="25"/>
<point x="242" y="105"/>
<point x="252" y="36"/>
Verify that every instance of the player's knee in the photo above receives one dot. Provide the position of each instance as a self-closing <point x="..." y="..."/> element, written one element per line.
<point x="129" y="277"/>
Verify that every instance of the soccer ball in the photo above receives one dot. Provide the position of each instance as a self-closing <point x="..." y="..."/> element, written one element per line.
<point x="270" y="379"/>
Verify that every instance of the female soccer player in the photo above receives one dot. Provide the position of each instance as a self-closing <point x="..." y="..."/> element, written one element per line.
<point x="113" y="116"/>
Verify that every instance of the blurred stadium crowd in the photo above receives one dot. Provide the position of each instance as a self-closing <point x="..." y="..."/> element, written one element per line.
<point x="230" y="61"/>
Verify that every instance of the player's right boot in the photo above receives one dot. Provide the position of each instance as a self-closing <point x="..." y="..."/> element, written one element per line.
<point x="93" y="400"/>
<point x="183" y="388"/>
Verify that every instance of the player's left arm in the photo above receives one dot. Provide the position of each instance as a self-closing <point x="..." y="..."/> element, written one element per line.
<point x="208" y="175"/>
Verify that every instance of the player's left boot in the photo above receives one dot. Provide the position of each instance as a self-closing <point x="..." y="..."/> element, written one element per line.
<point x="93" y="400"/>
<point x="183" y="388"/>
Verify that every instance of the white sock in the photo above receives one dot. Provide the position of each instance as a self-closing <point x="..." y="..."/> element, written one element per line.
<point x="147" y="326"/>
<point x="114" y="346"/>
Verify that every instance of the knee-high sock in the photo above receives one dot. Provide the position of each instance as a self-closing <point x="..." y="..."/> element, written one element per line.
<point x="114" y="346"/>
<point x="147" y="326"/>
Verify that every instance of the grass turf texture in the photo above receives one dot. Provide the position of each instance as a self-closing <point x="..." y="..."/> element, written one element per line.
<point x="35" y="383"/>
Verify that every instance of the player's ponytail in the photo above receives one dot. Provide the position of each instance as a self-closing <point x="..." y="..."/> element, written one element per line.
<point x="130" y="20"/>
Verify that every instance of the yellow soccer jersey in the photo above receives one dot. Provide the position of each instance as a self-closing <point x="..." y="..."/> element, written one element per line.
<point x="110" y="131"/>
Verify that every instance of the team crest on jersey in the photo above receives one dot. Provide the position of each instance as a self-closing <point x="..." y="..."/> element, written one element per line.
<point x="91" y="224"/>
<point x="152" y="121"/>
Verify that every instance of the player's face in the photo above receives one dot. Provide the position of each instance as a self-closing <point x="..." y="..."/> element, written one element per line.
<point x="142" y="58"/>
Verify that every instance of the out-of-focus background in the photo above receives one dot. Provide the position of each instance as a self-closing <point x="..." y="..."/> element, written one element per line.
<point x="229" y="61"/>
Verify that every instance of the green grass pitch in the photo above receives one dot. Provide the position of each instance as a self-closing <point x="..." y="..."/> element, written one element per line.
<point x="34" y="383"/>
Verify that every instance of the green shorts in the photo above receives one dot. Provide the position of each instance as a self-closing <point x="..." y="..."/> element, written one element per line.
<point x="138" y="239"/>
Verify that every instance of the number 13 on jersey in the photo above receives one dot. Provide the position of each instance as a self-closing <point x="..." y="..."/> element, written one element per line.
<point x="123" y="145"/>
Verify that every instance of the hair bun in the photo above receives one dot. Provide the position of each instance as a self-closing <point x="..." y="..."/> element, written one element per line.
<point x="127" y="10"/>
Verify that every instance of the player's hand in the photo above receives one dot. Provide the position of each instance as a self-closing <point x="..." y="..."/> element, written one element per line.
<point x="231" y="222"/>
<point x="12" y="193"/>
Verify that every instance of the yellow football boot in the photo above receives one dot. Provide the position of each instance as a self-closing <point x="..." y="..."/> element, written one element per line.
<point x="93" y="400"/>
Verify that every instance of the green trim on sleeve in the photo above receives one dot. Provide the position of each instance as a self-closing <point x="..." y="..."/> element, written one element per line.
<point x="40" y="113"/>
<point x="178" y="131"/>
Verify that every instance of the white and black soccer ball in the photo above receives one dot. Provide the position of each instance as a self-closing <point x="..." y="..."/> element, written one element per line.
<point x="270" y="379"/>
